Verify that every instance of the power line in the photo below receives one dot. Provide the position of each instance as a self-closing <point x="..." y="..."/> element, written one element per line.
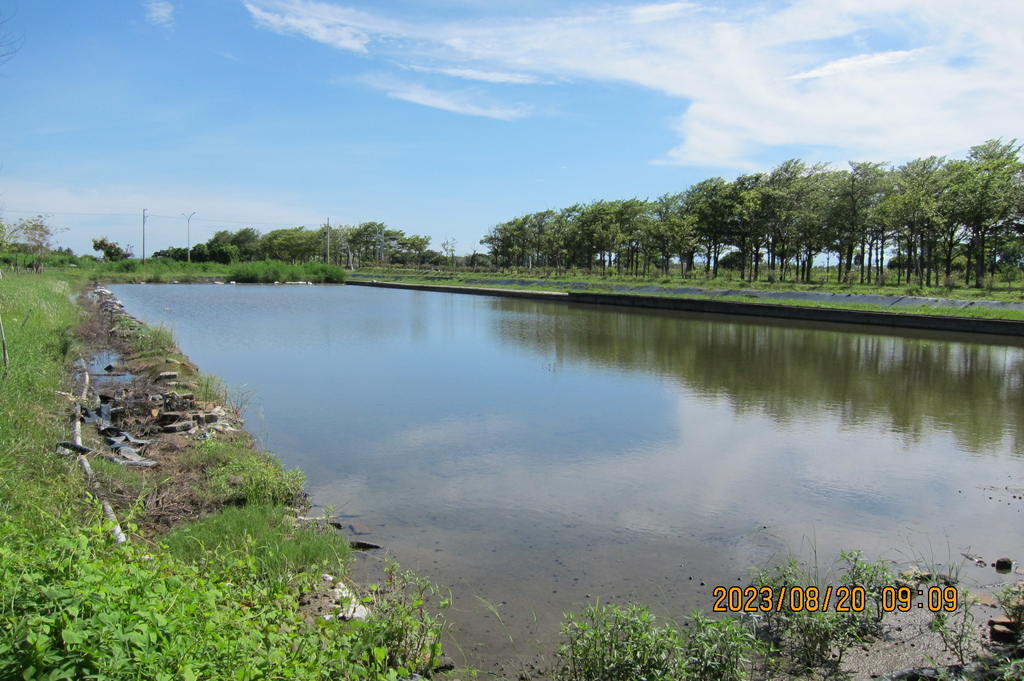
<point x="169" y="217"/>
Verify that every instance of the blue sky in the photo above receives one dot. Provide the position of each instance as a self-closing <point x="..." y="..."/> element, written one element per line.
<point x="446" y="117"/>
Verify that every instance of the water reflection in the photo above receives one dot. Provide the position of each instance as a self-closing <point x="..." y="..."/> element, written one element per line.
<point x="909" y="384"/>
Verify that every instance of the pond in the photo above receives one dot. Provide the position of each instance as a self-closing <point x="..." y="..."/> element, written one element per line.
<point x="534" y="456"/>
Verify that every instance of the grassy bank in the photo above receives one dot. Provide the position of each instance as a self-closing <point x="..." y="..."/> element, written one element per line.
<point x="215" y="598"/>
<point x="1012" y="291"/>
<point x="614" y="284"/>
<point x="162" y="271"/>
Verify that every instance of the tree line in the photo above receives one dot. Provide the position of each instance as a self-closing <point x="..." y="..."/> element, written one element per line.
<point x="930" y="217"/>
<point x="347" y="245"/>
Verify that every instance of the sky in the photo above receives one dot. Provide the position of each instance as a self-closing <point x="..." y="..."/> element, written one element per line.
<point x="447" y="117"/>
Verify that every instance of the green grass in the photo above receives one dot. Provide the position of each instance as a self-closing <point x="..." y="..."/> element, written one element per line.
<point x="268" y="534"/>
<point x="237" y="473"/>
<point x="37" y="486"/>
<point x="162" y="271"/>
<point x="223" y="603"/>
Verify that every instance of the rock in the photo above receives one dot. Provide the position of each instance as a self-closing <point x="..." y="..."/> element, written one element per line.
<point x="358" y="528"/>
<point x="985" y="599"/>
<point x="1003" y="565"/>
<point x="915" y="576"/>
<point x="348" y="604"/>
<point x="179" y="427"/>
<point x="166" y="375"/>
<point x="1003" y="630"/>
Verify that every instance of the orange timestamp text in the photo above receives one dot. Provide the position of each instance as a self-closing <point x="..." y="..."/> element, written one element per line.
<point x="838" y="599"/>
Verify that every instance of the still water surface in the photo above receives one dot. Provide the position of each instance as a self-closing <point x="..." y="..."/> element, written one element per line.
<point x="534" y="455"/>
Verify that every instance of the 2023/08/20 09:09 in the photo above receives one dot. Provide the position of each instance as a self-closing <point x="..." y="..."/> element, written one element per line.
<point x="843" y="598"/>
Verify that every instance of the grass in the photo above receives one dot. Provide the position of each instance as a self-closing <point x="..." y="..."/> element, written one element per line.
<point x="38" y="487"/>
<point x="237" y="473"/>
<point x="162" y="270"/>
<point x="265" y="532"/>
<point x="220" y="601"/>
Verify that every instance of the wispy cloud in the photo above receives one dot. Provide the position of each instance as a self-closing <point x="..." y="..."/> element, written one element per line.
<point x="160" y="13"/>
<point x="484" y="76"/>
<point x="339" y="27"/>
<point x="859" y="63"/>
<point x="455" y="102"/>
<point x="869" y="79"/>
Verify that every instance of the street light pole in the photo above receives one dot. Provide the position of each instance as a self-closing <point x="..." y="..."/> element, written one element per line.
<point x="188" y="235"/>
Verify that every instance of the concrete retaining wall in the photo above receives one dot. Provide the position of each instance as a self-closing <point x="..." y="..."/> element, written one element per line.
<point x="1002" y="327"/>
<point x="469" y="290"/>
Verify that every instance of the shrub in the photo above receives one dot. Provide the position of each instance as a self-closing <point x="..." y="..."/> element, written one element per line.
<point x="718" y="650"/>
<point x="608" y="643"/>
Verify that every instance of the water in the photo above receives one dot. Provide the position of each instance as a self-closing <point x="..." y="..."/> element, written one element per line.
<point x="534" y="455"/>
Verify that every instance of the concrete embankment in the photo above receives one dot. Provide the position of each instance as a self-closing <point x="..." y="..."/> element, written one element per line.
<point x="1003" y="327"/>
<point x="470" y="290"/>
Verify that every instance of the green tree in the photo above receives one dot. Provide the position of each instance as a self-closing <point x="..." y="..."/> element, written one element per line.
<point x="916" y="215"/>
<point x="857" y="195"/>
<point x="36" y="235"/>
<point x="986" y="190"/>
<point x="710" y="202"/>
<point x="111" y="250"/>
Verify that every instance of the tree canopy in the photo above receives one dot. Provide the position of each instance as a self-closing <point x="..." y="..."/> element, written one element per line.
<point x="925" y="217"/>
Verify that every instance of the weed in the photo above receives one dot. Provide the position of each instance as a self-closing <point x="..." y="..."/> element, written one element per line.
<point x="719" y="650"/>
<point x="149" y="341"/>
<point x="608" y="643"/>
<point x="280" y="550"/>
<point x="957" y="629"/>
<point x="403" y="631"/>
<point x="75" y="606"/>
<point x="242" y="475"/>
<point x="872" y="578"/>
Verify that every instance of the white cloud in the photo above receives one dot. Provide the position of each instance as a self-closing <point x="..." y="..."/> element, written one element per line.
<point x="660" y="12"/>
<point x="879" y="79"/>
<point x="859" y="63"/>
<point x="455" y="102"/>
<point x="484" y="76"/>
<point x="160" y="13"/>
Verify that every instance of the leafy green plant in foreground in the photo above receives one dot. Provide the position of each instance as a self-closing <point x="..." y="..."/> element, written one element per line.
<point x="80" y="607"/>
<point x="609" y="643"/>
<point x="718" y="650"/>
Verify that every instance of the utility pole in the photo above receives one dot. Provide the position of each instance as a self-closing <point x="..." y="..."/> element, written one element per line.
<point x="328" y="241"/>
<point x="143" y="236"/>
<point x="188" y="236"/>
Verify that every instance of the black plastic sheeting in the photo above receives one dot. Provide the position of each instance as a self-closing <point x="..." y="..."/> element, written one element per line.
<point x="815" y="296"/>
